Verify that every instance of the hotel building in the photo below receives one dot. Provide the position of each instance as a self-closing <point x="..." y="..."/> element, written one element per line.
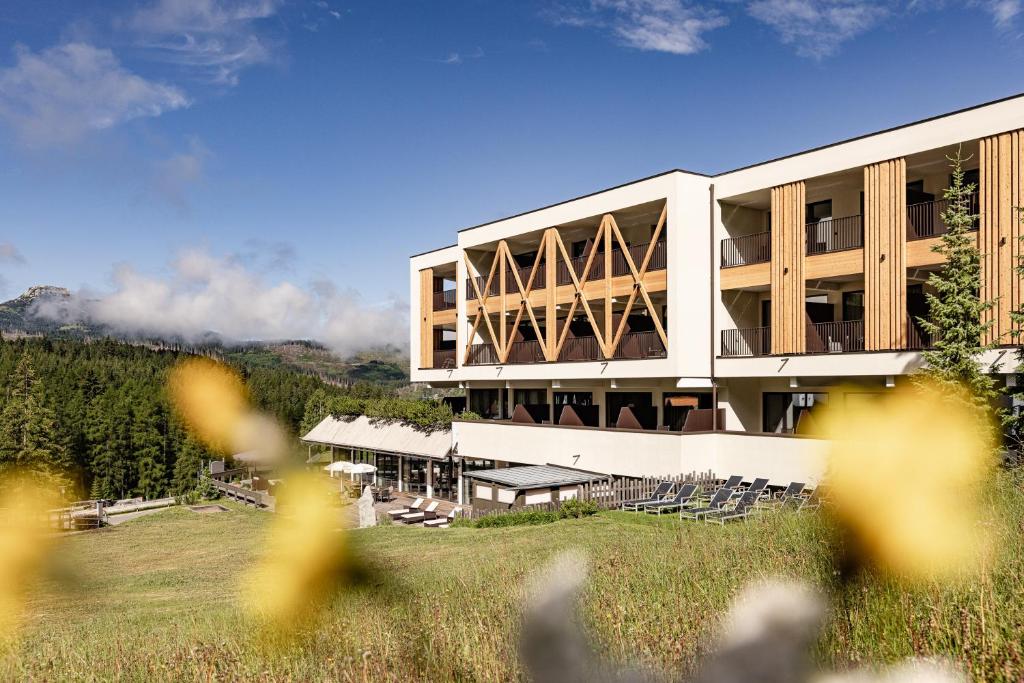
<point x="690" y="322"/>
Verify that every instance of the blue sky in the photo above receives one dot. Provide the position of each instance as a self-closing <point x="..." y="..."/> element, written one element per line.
<point x="178" y="159"/>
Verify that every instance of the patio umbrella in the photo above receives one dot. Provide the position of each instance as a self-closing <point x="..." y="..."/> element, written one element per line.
<point x="339" y="466"/>
<point x="361" y="469"/>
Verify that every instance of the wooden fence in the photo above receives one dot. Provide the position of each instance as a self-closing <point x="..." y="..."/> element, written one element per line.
<point x="610" y="494"/>
<point x="222" y="481"/>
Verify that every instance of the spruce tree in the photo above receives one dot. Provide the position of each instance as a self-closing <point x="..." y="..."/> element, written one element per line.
<point x="29" y="440"/>
<point x="955" y="307"/>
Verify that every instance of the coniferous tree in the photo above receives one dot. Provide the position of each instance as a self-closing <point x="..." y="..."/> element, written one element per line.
<point x="28" y="430"/>
<point x="955" y="307"/>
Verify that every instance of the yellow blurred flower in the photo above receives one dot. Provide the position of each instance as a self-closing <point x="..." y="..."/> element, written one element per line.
<point x="25" y="542"/>
<point x="305" y="557"/>
<point x="905" y="476"/>
<point x="212" y="400"/>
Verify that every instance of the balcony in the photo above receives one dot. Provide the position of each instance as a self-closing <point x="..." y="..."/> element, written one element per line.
<point x="746" y="250"/>
<point x="632" y="346"/>
<point x="659" y="261"/>
<point x="845" y="336"/>
<point x="924" y="220"/>
<point x="444" y="359"/>
<point x="444" y="301"/>
<point x="835" y="234"/>
<point x="749" y="342"/>
<point x="918" y="338"/>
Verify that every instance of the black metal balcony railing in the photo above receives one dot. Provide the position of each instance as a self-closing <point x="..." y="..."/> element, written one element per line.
<point x="444" y="359"/>
<point x="924" y="220"/>
<point x="445" y="300"/>
<point x="525" y="352"/>
<point x="752" y="341"/>
<point x="835" y="234"/>
<point x="632" y="346"/>
<point x="836" y="337"/>
<point x="747" y="249"/>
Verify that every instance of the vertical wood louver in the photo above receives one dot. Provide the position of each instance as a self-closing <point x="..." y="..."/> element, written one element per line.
<point x="885" y="255"/>
<point x="427" y="318"/>
<point x="788" y="323"/>
<point x="1001" y="192"/>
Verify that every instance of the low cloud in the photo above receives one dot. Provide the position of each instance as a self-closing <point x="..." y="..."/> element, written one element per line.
<point x="1003" y="11"/>
<point x="818" y="28"/>
<point x="213" y="39"/>
<point x="57" y="95"/>
<point x="204" y="294"/>
<point x="673" y="26"/>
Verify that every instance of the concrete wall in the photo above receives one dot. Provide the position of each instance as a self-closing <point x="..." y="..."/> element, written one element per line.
<point x="638" y="454"/>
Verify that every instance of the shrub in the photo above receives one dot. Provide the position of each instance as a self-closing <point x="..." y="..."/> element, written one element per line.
<point x="518" y="518"/>
<point x="577" y="509"/>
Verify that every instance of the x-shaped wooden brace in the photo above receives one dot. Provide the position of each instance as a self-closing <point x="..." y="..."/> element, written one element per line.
<point x="638" y="279"/>
<point x="580" y="296"/>
<point x="482" y="304"/>
<point x="524" y="303"/>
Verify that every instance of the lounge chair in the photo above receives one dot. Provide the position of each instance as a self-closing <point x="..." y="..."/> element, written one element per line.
<point x="682" y="497"/>
<point x="416" y="505"/>
<point x="414" y="517"/>
<point x="664" y="488"/>
<point x="442" y="522"/>
<point x="731" y="483"/>
<point x="744" y="506"/>
<point x="720" y="498"/>
<point x="792" y="491"/>
<point x="809" y="502"/>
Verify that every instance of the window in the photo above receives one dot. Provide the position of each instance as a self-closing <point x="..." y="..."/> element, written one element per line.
<point x="766" y="313"/>
<point x="576" y="398"/>
<point x="486" y="403"/>
<point x="853" y="305"/>
<point x="783" y="411"/>
<point x="523" y="397"/>
<point x="819" y="211"/>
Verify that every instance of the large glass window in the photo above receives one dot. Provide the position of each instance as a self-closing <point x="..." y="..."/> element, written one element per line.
<point x="853" y="305"/>
<point x="582" y="403"/>
<point x="819" y="211"/>
<point x="783" y="411"/>
<point x="486" y="403"/>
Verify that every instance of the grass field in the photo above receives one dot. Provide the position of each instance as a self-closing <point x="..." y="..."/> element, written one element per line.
<point x="155" y="600"/>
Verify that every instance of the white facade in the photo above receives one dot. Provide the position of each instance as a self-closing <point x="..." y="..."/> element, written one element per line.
<point x="697" y="311"/>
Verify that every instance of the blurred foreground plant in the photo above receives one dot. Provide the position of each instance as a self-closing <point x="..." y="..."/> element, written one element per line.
<point x="905" y="478"/>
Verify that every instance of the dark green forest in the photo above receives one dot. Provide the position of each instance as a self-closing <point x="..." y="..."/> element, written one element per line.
<point x="95" y="416"/>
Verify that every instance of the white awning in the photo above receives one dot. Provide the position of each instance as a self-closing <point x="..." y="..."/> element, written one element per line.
<point x="393" y="437"/>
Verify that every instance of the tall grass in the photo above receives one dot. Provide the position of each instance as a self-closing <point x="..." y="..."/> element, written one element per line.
<point x="155" y="600"/>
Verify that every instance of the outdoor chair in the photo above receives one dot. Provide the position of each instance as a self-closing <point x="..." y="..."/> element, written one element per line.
<point x="731" y="483"/>
<point x="791" y="492"/>
<point x="758" y="486"/>
<point x="744" y="506"/>
<point x="809" y="502"/>
<point x="443" y="522"/>
<point x="414" y="517"/>
<point x="720" y="498"/>
<point x="664" y="488"/>
<point x="682" y="497"/>
<point x="416" y="505"/>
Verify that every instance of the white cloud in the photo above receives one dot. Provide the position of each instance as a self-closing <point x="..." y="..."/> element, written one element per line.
<point x="673" y="26"/>
<point x="56" y="96"/>
<point x="10" y="255"/>
<point x="206" y="294"/>
<point x="215" y="38"/>
<point x="1003" y="11"/>
<point x="818" y="28"/>
<point x="174" y="175"/>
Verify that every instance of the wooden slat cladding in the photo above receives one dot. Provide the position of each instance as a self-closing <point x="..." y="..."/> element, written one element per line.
<point x="426" y="318"/>
<point x="787" y="269"/>
<point x="885" y="255"/>
<point x="1001" y="192"/>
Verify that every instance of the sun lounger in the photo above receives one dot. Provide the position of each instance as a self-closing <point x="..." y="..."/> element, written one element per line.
<point x="664" y="488"/>
<point x="720" y="498"/>
<point x="744" y="506"/>
<point x="682" y="497"/>
<point x="791" y="492"/>
<point x="416" y="505"/>
<point x="731" y="483"/>
<point x="809" y="502"/>
<point x="442" y="522"/>
<point x="414" y="517"/>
